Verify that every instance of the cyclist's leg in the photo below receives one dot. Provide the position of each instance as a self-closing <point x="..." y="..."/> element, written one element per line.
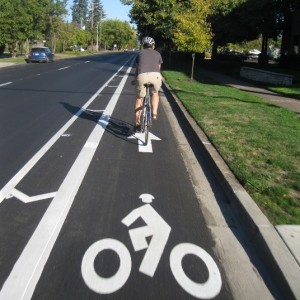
<point x="138" y="110"/>
<point x="154" y="104"/>
<point x="156" y="81"/>
<point x="140" y="94"/>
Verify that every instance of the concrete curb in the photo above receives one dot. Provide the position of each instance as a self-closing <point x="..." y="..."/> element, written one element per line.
<point x="271" y="248"/>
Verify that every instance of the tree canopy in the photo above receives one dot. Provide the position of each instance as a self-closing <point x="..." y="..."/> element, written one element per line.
<point x="230" y="21"/>
<point x="189" y="25"/>
<point x="193" y="32"/>
<point x="23" y="20"/>
<point x="120" y="33"/>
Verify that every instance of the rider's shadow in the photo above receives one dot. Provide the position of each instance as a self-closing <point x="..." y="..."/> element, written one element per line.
<point x="118" y="128"/>
<point x="84" y="114"/>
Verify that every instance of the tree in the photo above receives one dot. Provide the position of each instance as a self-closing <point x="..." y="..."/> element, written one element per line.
<point x="11" y="30"/>
<point x="116" y="32"/>
<point x="80" y="12"/>
<point x="96" y="13"/>
<point x="243" y="20"/>
<point x="155" y="18"/>
<point x="71" y="35"/>
<point x="286" y="11"/>
<point x="23" y="20"/>
<point x="220" y="24"/>
<point x="193" y="33"/>
<point x="56" y="10"/>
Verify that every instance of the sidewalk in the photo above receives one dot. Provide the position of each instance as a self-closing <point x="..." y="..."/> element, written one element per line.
<point x="279" y="245"/>
<point x="6" y="64"/>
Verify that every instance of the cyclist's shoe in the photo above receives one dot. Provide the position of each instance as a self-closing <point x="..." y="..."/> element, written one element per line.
<point x="137" y="128"/>
<point x="154" y="116"/>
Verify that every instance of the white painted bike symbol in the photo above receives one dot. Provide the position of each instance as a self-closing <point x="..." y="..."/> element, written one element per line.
<point x="159" y="230"/>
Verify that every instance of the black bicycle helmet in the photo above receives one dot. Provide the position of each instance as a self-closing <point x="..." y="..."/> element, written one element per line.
<point x="148" y="41"/>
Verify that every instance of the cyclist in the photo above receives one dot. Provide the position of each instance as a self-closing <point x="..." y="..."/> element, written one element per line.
<point x="148" y="65"/>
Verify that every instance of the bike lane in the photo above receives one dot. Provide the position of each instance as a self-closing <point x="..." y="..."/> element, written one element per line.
<point x="144" y="203"/>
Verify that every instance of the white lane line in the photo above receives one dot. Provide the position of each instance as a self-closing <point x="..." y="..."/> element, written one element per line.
<point x="64" y="68"/>
<point x="26" y="272"/>
<point x="27" y="199"/>
<point x="4" y="192"/>
<point x="7" y="83"/>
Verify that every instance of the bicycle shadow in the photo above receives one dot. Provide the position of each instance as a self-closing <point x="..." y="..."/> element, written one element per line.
<point x="121" y="129"/>
<point x="116" y="127"/>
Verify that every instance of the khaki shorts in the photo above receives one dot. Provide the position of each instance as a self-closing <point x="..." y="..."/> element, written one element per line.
<point x="152" y="77"/>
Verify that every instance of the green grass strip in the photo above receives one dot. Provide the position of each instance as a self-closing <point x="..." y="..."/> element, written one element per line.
<point x="260" y="142"/>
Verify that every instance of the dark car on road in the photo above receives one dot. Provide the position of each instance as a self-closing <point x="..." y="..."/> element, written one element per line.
<point x="40" y="54"/>
<point x="232" y="56"/>
<point x="253" y="54"/>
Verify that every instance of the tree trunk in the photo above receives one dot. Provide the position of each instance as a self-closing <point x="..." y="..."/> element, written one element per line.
<point x="26" y="46"/>
<point x="193" y="65"/>
<point x="214" y="50"/>
<point x="263" y="57"/>
<point x="13" y="49"/>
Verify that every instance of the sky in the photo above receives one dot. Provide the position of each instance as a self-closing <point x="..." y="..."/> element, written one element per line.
<point x="114" y="9"/>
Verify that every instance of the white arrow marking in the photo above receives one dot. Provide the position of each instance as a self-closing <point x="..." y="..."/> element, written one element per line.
<point x="27" y="199"/>
<point x="141" y="140"/>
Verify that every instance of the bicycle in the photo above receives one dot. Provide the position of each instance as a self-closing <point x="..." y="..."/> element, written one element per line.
<point x="146" y="115"/>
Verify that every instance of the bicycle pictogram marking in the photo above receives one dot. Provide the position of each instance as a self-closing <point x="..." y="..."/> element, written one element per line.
<point x="159" y="230"/>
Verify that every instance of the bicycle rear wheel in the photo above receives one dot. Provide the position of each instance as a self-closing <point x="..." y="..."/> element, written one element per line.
<point x="146" y="117"/>
<point x="146" y="128"/>
<point x="145" y="123"/>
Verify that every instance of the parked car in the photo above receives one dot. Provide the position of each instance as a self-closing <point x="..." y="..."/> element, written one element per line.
<point x="40" y="54"/>
<point x="77" y="48"/>
<point x="253" y="54"/>
<point x="232" y="56"/>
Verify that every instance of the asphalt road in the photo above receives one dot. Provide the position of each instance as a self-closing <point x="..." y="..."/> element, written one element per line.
<point x="87" y="211"/>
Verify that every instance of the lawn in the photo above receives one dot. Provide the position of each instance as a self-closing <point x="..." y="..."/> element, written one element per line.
<point x="260" y="142"/>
